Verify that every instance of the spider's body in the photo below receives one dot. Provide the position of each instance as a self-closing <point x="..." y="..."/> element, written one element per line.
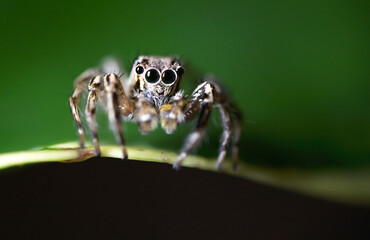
<point x="151" y="93"/>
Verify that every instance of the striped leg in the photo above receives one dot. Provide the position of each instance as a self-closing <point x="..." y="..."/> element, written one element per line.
<point x="225" y="139"/>
<point x="117" y="104"/>
<point x="238" y="125"/>
<point x="80" y="84"/>
<point x="94" y="91"/>
<point x="201" y="101"/>
<point x="194" y="138"/>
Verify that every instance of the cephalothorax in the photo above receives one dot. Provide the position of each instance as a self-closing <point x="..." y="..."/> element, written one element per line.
<point x="152" y="94"/>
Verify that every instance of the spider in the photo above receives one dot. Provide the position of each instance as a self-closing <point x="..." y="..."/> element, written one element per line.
<point x="152" y="94"/>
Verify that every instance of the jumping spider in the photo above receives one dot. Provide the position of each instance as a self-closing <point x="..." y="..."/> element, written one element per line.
<point x="151" y="93"/>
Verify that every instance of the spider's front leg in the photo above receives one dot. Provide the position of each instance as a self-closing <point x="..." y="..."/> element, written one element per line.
<point x="117" y="105"/>
<point x="201" y="101"/>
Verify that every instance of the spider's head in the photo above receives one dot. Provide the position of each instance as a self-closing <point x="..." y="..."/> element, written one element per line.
<point x="158" y="76"/>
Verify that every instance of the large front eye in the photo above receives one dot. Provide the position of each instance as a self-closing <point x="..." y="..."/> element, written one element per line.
<point x="168" y="76"/>
<point x="152" y="76"/>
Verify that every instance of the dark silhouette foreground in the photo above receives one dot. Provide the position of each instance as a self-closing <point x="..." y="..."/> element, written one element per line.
<point x="105" y="198"/>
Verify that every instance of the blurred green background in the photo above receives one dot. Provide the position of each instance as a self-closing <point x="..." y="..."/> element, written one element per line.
<point x="299" y="70"/>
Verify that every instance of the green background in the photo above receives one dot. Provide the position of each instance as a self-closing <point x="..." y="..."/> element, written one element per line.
<point x="299" y="70"/>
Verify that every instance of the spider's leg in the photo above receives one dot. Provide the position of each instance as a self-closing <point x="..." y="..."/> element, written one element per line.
<point x="94" y="91"/>
<point x="200" y="102"/>
<point x="117" y="104"/>
<point x="237" y="125"/>
<point x="80" y="84"/>
<point x="194" y="138"/>
<point x="206" y="95"/>
<point x="225" y="139"/>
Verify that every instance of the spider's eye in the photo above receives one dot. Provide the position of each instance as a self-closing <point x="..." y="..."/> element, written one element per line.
<point x="180" y="71"/>
<point x="168" y="76"/>
<point x="152" y="76"/>
<point x="139" y="69"/>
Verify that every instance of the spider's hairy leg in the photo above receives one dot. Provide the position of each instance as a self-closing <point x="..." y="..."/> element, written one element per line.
<point x="206" y="95"/>
<point x="80" y="84"/>
<point x="171" y="114"/>
<point x="94" y="91"/>
<point x="145" y="114"/>
<point x="194" y="138"/>
<point x="201" y="102"/>
<point x="227" y="130"/>
<point x="238" y="125"/>
<point x="117" y="104"/>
